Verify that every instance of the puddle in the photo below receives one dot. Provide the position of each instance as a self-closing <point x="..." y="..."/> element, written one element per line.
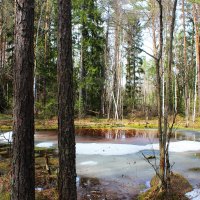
<point x="113" y="161"/>
<point x="99" y="189"/>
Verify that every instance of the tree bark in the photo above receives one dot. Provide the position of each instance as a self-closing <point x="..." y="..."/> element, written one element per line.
<point x="186" y="68"/>
<point x="197" y="60"/>
<point x="169" y="104"/>
<point x="162" y="140"/>
<point x="66" y="137"/>
<point x="23" y="176"/>
<point x="197" y="48"/>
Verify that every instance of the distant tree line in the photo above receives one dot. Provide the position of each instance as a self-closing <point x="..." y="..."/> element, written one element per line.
<point x="112" y="76"/>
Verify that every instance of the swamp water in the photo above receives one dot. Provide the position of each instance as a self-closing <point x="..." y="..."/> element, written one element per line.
<point x="110" y="164"/>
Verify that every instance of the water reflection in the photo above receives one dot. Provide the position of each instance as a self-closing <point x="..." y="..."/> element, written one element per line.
<point x="131" y="136"/>
<point x="187" y="135"/>
<point x="116" y="134"/>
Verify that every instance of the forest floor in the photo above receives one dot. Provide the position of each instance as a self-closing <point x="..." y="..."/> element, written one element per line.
<point x="46" y="181"/>
<point x="46" y="169"/>
<point x="46" y="173"/>
<point x="94" y="122"/>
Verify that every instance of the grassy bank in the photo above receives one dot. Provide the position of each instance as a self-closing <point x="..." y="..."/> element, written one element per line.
<point x="93" y="122"/>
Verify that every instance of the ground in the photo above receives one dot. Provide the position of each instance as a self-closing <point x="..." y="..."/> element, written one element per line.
<point x="94" y="122"/>
<point x="46" y="182"/>
<point x="46" y="178"/>
<point x="179" y="187"/>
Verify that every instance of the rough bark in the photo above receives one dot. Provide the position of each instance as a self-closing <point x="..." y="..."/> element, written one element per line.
<point x="23" y="175"/>
<point x="66" y="137"/>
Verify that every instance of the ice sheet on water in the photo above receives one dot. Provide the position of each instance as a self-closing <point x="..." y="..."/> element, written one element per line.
<point x="124" y="149"/>
<point x="114" y="149"/>
<point x="106" y="149"/>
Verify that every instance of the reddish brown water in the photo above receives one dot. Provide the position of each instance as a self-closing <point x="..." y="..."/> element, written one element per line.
<point x="121" y="136"/>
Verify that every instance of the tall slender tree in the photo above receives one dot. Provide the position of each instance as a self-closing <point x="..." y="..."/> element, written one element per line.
<point x="23" y="176"/>
<point x="66" y="137"/>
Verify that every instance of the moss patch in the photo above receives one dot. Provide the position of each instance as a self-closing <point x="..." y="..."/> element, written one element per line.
<point x="179" y="186"/>
<point x="4" y="166"/>
<point x="5" y="195"/>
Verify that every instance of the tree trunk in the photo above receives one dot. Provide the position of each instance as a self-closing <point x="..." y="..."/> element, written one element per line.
<point x="66" y="137"/>
<point x="197" y="68"/>
<point x="83" y="67"/>
<point x="116" y="78"/>
<point x="36" y="78"/>
<point x="46" y="47"/>
<point x="23" y="176"/>
<point x="169" y="104"/>
<point x="186" y="68"/>
<point x="197" y="60"/>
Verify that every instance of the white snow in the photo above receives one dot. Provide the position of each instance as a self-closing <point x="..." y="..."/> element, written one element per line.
<point x="181" y="146"/>
<point x="127" y="7"/>
<point x="194" y="194"/>
<point x="148" y="184"/>
<point x="45" y="144"/>
<point x="115" y="149"/>
<point x="106" y="149"/>
<point x="39" y="189"/>
<point x="91" y="163"/>
<point x="123" y="149"/>
<point x="6" y="137"/>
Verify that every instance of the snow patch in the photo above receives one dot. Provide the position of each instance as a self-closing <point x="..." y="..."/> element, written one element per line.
<point x="106" y="149"/>
<point x="39" y="189"/>
<point x="124" y="149"/>
<point x="148" y="184"/>
<point x="6" y="137"/>
<point x="45" y="144"/>
<point x="194" y="194"/>
<point x="91" y="163"/>
<point x="127" y="7"/>
<point x="114" y="149"/>
<point x="181" y="146"/>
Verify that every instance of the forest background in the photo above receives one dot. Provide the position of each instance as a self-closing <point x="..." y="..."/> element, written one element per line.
<point x="114" y="50"/>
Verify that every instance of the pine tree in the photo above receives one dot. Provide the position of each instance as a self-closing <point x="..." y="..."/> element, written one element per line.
<point x="23" y="176"/>
<point x="91" y="76"/>
<point x="134" y="65"/>
<point x="66" y="137"/>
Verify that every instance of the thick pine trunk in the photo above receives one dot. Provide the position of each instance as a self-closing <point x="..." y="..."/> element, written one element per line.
<point x="66" y="138"/>
<point x="23" y="175"/>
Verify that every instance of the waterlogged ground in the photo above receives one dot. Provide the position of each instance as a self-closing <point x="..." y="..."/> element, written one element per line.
<point x="110" y="164"/>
